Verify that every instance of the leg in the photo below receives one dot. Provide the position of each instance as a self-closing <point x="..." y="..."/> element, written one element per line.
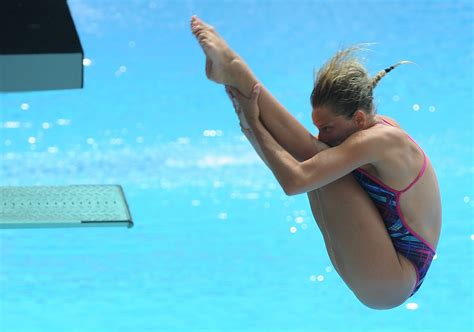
<point x="313" y="198"/>
<point x="317" y="209"/>
<point x="283" y="126"/>
<point x="365" y="258"/>
<point x="286" y="130"/>
<point x="224" y="66"/>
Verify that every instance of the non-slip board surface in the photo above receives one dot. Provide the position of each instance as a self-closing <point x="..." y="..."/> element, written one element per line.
<point x="63" y="206"/>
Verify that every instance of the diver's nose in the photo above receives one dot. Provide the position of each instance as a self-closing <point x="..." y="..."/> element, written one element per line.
<point x="321" y="137"/>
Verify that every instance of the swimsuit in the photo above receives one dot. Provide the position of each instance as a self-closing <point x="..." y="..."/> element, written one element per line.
<point x="406" y="241"/>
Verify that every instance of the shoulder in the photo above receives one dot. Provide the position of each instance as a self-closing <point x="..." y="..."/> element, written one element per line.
<point x="333" y="163"/>
<point x="373" y="143"/>
<point x="368" y="146"/>
<point x="389" y="119"/>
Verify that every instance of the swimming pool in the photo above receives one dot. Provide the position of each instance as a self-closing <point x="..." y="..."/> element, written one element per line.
<point x="217" y="245"/>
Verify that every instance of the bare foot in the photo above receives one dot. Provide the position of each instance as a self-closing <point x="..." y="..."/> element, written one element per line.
<point x="219" y="56"/>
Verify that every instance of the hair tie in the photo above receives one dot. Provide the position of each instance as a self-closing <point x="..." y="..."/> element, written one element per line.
<point x="389" y="68"/>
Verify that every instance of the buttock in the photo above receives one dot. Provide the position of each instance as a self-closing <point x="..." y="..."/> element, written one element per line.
<point x="419" y="263"/>
<point x="410" y="273"/>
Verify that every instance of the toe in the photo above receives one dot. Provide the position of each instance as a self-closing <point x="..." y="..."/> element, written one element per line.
<point x="197" y="28"/>
<point x="202" y="34"/>
<point x="205" y="44"/>
<point x="202" y="24"/>
<point x="198" y="23"/>
<point x="196" y="20"/>
<point x="207" y="26"/>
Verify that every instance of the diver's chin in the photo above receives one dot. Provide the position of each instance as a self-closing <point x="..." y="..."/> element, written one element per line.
<point x="336" y="143"/>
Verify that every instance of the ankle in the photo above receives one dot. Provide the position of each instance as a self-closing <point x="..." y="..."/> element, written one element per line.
<point x="243" y="78"/>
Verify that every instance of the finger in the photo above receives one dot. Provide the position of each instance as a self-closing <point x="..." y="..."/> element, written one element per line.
<point x="242" y="102"/>
<point x="234" y="102"/>
<point x="236" y="93"/>
<point x="236" y="106"/>
<point x="246" y="131"/>
<point x="231" y="97"/>
<point x="230" y="94"/>
<point x="228" y="90"/>
<point x="244" y="123"/>
<point x="249" y="134"/>
<point x="255" y="92"/>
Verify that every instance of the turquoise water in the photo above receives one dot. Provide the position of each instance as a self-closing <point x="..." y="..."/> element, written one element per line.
<point x="212" y="249"/>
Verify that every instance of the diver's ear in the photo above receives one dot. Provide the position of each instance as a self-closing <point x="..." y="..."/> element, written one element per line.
<point x="359" y="118"/>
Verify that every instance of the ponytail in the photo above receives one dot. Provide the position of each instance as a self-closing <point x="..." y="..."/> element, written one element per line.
<point x="382" y="73"/>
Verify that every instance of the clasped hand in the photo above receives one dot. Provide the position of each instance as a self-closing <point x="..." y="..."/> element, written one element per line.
<point x="247" y="106"/>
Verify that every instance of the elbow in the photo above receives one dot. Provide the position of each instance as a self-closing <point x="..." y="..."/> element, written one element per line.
<point x="290" y="190"/>
<point x="293" y="185"/>
<point x="299" y="188"/>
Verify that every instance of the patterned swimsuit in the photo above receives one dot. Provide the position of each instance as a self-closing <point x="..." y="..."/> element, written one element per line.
<point x="405" y="240"/>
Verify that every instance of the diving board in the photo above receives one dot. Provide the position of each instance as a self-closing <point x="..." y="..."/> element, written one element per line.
<point x="40" y="48"/>
<point x="63" y="206"/>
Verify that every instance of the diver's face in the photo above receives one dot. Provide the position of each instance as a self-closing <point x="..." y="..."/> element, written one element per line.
<point x="333" y="129"/>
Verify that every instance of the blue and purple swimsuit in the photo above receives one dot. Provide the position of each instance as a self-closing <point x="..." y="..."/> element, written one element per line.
<point x="405" y="240"/>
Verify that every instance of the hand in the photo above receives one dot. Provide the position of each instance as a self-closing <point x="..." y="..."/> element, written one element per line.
<point x="244" y="126"/>
<point x="237" y="107"/>
<point x="247" y="106"/>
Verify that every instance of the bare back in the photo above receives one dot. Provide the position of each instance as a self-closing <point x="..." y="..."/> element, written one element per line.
<point x="398" y="167"/>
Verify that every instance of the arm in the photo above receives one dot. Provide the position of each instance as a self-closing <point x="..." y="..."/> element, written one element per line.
<point x="329" y="165"/>
<point x="279" y="122"/>
<point x="281" y="163"/>
<point x="318" y="146"/>
<point x="325" y="167"/>
<point x="251" y="137"/>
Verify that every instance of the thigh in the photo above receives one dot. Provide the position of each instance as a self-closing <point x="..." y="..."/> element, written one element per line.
<point x="363" y="250"/>
<point x="318" y="217"/>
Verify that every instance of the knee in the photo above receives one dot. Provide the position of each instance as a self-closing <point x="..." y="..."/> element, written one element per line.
<point x="381" y="300"/>
<point x="380" y="304"/>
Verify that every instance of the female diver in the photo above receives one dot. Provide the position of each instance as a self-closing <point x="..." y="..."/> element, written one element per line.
<point x="371" y="188"/>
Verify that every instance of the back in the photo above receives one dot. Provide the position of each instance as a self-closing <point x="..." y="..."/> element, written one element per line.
<point x="404" y="168"/>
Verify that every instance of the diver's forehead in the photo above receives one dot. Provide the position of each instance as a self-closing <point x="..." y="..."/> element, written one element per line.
<point x="322" y="117"/>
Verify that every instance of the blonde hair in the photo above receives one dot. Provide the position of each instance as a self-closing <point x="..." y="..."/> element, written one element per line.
<point x="344" y="85"/>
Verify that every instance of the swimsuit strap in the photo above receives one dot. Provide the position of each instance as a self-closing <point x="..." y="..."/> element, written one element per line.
<point x="422" y="168"/>
<point x="424" y="159"/>
<point x="383" y="120"/>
